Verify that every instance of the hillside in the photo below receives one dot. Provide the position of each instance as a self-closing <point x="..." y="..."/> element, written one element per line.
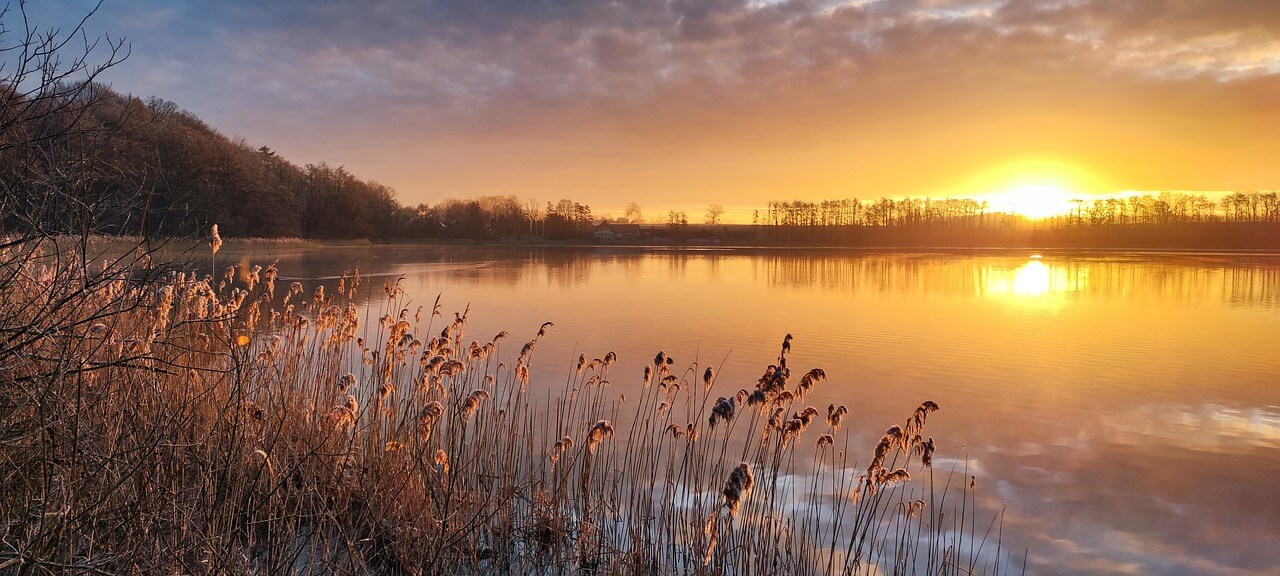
<point x="147" y="166"/>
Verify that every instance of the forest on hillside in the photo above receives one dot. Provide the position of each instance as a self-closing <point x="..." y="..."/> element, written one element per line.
<point x="135" y="166"/>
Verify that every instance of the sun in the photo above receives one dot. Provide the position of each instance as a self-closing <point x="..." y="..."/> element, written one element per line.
<point x="1034" y="200"/>
<point x="1034" y="188"/>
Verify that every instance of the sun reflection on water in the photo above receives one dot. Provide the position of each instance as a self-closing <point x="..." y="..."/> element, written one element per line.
<point x="1033" y="280"/>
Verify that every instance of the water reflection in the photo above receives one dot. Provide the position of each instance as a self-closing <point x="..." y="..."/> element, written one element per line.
<point x="1031" y="280"/>
<point x="1253" y="281"/>
<point x="1232" y="279"/>
<point x="1122" y="406"/>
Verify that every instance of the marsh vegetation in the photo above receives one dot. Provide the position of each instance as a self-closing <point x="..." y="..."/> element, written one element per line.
<point x="163" y="419"/>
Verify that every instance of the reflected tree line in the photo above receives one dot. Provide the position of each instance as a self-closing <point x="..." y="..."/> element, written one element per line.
<point x="503" y="266"/>
<point x="1248" y="282"/>
<point x="1245" y="283"/>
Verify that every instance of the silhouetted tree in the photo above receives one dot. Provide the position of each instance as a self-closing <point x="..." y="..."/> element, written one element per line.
<point x="714" y="211"/>
<point x="633" y="214"/>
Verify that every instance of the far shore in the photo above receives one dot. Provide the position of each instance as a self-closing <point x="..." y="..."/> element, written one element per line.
<point x="248" y="245"/>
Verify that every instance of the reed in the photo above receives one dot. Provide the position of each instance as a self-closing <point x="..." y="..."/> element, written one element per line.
<point x="207" y="424"/>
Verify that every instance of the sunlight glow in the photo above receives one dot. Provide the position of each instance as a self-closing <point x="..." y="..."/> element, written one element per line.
<point x="1034" y="200"/>
<point x="1034" y="281"/>
<point x="1033" y="187"/>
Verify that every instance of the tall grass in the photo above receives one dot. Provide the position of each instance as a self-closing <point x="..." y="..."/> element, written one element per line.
<point x="234" y="424"/>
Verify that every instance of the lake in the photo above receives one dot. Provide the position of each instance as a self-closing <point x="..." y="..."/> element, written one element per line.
<point x="1124" y="408"/>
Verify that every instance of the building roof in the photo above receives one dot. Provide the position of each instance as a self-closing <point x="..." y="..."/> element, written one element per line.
<point x="618" y="228"/>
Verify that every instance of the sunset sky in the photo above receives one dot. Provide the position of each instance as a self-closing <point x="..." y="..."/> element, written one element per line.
<point x="689" y="102"/>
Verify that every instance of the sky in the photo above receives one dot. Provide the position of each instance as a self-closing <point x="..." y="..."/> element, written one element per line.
<point x="683" y="103"/>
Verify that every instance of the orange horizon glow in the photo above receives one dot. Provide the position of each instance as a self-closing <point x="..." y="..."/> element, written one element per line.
<point x="1035" y="188"/>
<point x="676" y="106"/>
<point x="1031" y="197"/>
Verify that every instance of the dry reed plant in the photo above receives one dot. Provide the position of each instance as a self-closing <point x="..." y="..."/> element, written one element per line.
<point x="222" y="423"/>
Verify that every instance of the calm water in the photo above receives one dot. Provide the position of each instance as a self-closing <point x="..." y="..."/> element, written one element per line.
<point x="1123" y="408"/>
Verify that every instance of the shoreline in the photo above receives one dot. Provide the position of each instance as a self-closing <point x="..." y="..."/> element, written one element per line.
<point x="248" y="245"/>
<point x="237" y="245"/>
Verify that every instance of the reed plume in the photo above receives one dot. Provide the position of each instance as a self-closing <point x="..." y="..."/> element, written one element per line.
<point x="737" y="487"/>
<point x="215" y="240"/>
<point x="723" y="410"/>
<point x="599" y="432"/>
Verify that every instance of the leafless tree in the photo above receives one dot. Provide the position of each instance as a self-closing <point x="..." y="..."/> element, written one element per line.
<point x="49" y="85"/>
<point x="714" y="212"/>
<point x="533" y="211"/>
<point x="633" y="214"/>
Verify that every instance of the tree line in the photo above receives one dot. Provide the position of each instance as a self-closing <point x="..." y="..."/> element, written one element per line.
<point x="1237" y="220"/>
<point x="1175" y="207"/>
<point x="882" y="212"/>
<point x="133" y="166"/>
<point x="1155" y="208"/>
<point x="146" y="167"/>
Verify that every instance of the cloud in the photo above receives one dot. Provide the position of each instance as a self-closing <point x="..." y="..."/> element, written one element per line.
<point x="482" y="58"/>
<point x="385" y="84"/>
<point x="1159" y="488"/>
